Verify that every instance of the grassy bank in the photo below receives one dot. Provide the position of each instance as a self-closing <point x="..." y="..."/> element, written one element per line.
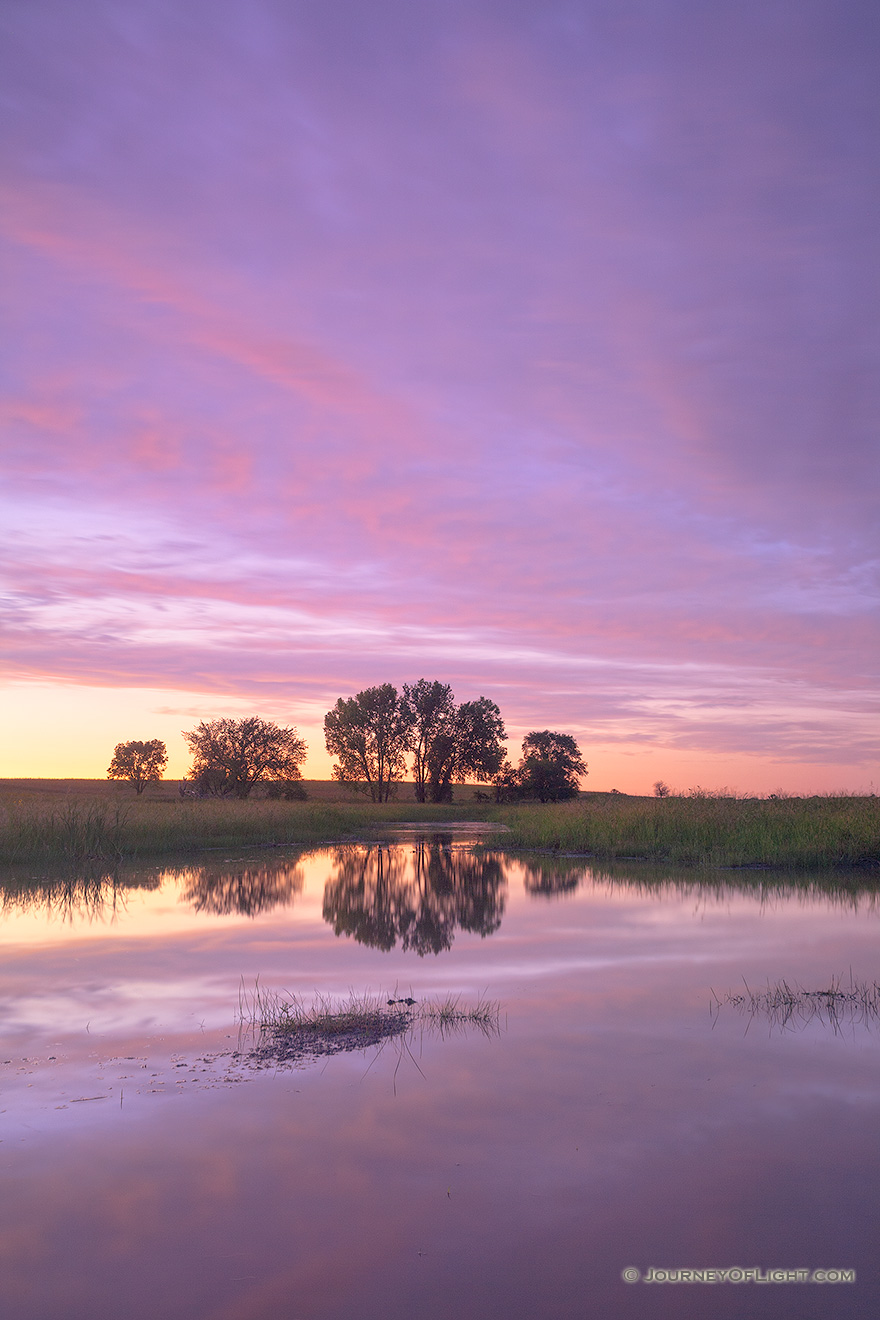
<point x="75" y="829"/>
<point x="49" y="824"/>
<point x="706" y="831"/>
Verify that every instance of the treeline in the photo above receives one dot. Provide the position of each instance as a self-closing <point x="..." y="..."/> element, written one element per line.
<point x="377" y="737"/>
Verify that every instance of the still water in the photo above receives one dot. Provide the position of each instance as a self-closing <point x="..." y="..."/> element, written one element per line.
<point x="619" y="1118"/>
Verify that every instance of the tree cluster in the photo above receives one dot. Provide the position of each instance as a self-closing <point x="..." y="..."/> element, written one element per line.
<point x="372" y="734"/>
<point x="550" y="769"/>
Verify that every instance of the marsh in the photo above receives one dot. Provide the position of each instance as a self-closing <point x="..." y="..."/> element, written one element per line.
<point x="612" y="1121"/>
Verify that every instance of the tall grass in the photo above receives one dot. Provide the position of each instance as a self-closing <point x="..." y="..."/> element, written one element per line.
<point x="705" y="830"/>
<point x="699" y="830"/>
<point x="80" y="830"/>
<point x="81" y="833"/>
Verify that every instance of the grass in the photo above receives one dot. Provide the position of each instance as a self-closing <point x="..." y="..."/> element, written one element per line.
<point x="288" y="1027"/>
<point x="47" y="827"/>
<point x="705" y="830"/>
<point x="789" y="1007"/>
<point x="44" y="822"/>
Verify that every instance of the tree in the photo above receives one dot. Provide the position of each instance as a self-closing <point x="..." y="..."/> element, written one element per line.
<point x="432" y="710"/>
<point x="139" y="762"/>
<point x="451" y="742"/>
<point x="230" y="756"/>
<point x="472" y="746"/>
<point x="550" y="768"/>
<point x="369" y="734"/>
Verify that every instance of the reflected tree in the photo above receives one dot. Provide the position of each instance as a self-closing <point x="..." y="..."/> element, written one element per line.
<point x="246" y="889"/>
<point x="389" y="897"/>
<point x="552" y="877"/>
<point x="90" y="893"/>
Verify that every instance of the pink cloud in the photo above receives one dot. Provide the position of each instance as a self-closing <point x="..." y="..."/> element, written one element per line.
<point x="537" y="357"/>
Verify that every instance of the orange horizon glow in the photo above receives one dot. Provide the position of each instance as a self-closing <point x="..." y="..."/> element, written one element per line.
<point x="494" y="359"/>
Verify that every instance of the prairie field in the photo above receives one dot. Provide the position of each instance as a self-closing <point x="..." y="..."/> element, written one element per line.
<point x="80" y="820"/>
<point x="706" y="830"/>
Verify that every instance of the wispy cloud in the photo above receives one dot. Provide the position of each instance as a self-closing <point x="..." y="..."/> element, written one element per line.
<point x="534" y="350"/>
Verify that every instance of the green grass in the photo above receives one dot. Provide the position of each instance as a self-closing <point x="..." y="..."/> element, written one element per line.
<point x="45" y="823"/>
<point x="705" y="830"/>
<point x="80" y="830"/>
<point x="278" y="1010"/>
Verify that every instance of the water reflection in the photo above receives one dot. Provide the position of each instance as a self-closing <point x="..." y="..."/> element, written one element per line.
<point x="243" y="887"/>
<point x="415" y="895"/>
<point x="91" y="895"/>
<point x="786" y="1007"/>
<point x="414" y="898"/>
<point x="550" y="877"/>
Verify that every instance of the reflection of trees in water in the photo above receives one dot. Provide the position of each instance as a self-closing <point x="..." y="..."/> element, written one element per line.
<point x="385" y="896"/>
<point x="552" y="876"/>
<point x="243" y="887"/>
<point x="857" y="889"/>
<point x="91" y="894"/>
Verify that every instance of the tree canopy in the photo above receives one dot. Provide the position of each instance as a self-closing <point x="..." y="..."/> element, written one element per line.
<point x="472" y="744"/>
<point x="369" y="734"/>
<point x="433" y="722"/>
<point x="138" y="762"/>
<point x="550" y="769"/>
<point x="230" y="756"/>
<point x="372" y="733"/>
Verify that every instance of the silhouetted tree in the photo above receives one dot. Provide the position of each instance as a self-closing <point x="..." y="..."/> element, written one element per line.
<point x="369" y="734"/>
<point x="433" y="721"/>
<point x="139" y="762"/>
<point x="471" y="745"/>
<point x="549" y="769"/>
<point x="230" y="756"/>
<point x="551" y="766"/>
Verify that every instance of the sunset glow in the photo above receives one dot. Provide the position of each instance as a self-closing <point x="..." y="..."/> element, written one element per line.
<point x="529" y="347"/>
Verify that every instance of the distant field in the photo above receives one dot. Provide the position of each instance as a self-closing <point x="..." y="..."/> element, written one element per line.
<point x="319" y="790"/>
<point x="79" y="821"/>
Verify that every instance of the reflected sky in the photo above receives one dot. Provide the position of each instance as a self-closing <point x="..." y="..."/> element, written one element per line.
<point x="614" y="1120"/>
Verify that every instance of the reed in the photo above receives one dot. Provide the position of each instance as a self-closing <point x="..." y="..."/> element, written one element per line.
<point x="287" y="1026"/>
<point x="81" y="830"/>
<point x="788" y="1007"/>
<point x="699" y="829"/>
<point x="704" y="830"/>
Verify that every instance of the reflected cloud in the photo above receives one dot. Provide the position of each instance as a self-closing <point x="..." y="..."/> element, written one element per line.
<point x="414" y="898"/>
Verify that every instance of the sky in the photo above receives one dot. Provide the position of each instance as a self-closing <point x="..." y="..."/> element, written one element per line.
<point x="531" y="345"/>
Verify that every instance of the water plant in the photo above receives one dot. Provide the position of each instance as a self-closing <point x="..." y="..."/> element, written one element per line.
<point x="789" y="1007"/>
<point x="286" y="1026"/>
